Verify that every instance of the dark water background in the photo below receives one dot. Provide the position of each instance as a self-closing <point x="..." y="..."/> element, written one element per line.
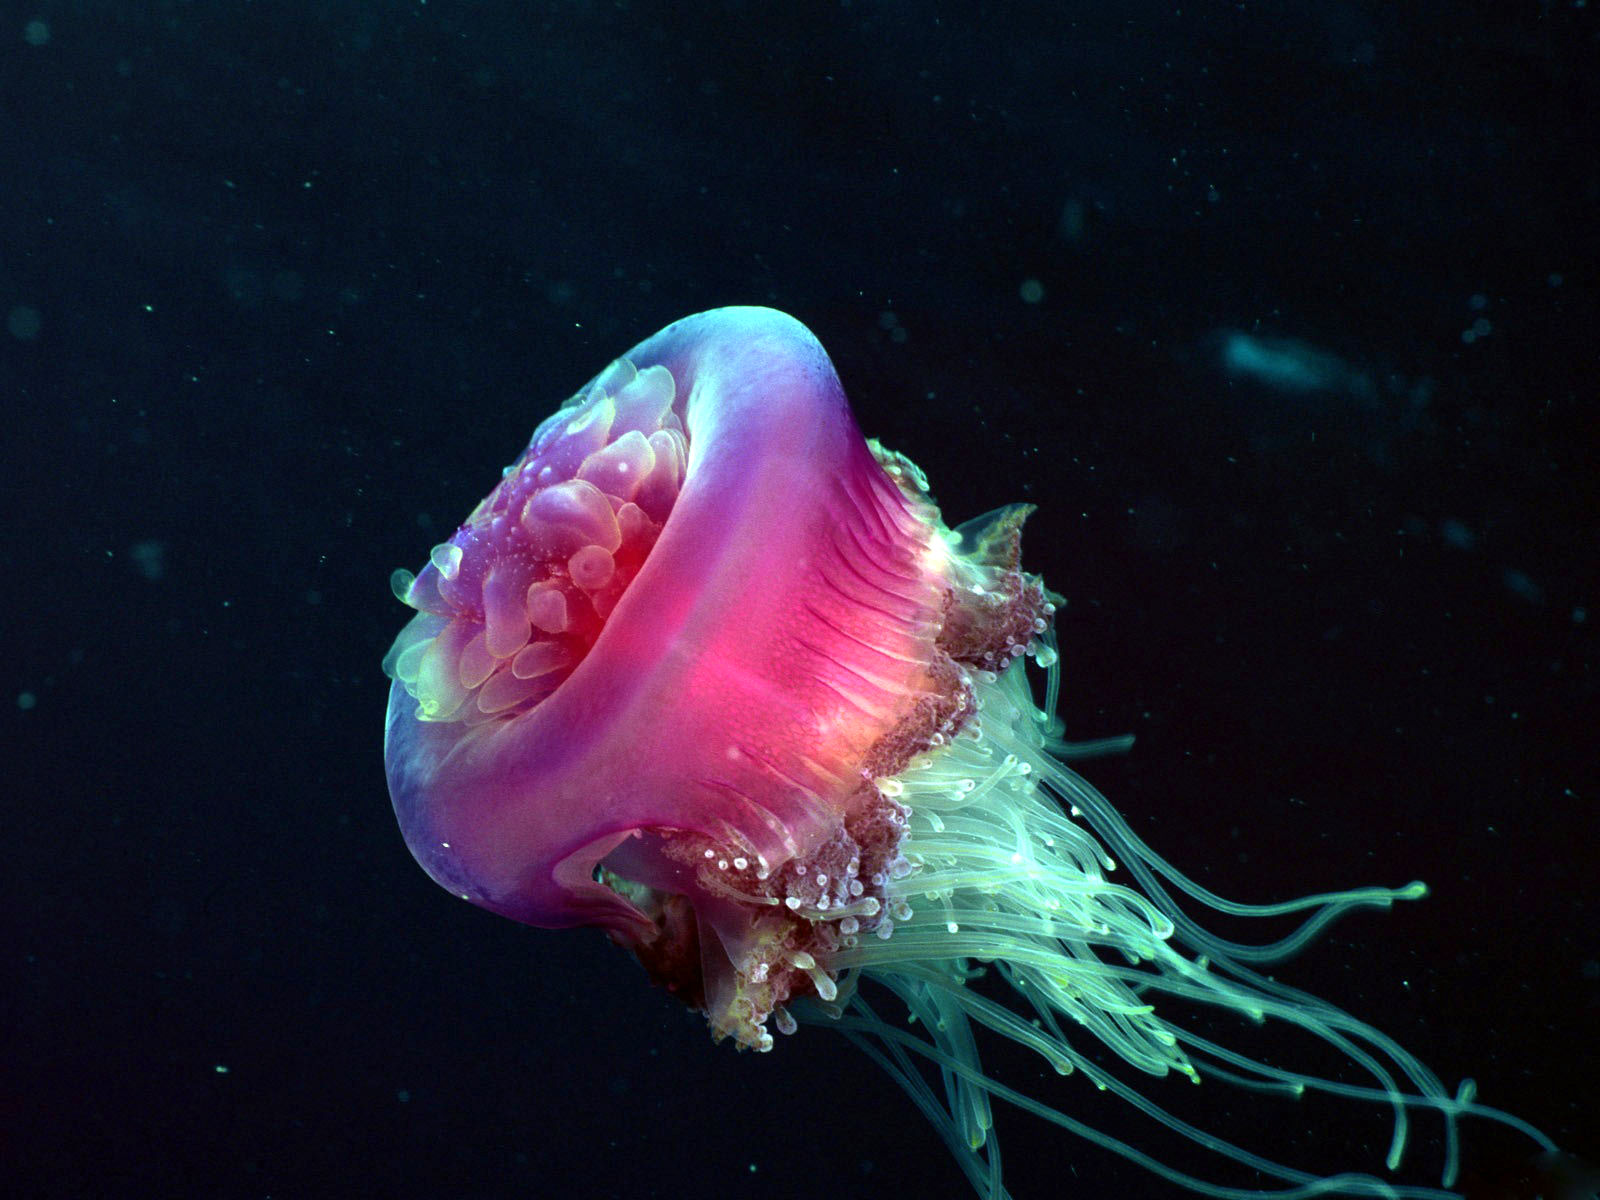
<point x="1285" y="316"/>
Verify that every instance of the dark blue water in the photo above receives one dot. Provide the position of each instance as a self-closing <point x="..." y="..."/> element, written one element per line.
<point x="1285" y="316"/>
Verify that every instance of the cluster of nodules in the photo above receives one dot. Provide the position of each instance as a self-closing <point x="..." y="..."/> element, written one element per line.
<point x="521" y="591"/>
<point x="844" y="881"/>
<point x="821" y="903"/>
<point x="829" y="886"/>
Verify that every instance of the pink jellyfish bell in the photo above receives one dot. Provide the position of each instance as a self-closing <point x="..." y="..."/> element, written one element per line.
<point x="654" y="677"/>
<point x="706" y="669"/>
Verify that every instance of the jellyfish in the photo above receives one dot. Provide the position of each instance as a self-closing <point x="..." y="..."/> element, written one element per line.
<point x="707" y="670"/>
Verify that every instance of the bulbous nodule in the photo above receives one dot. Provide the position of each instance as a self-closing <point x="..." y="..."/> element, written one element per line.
<point x="653" y="677"/>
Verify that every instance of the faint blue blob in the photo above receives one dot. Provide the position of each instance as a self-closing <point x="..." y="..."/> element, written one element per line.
<point x="150" y="557"/>
<point x="1520" y="586"/>
<point x="1290" y="365"/>
<point x="23" y="322"/>
<point x="1458" y="535"/>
